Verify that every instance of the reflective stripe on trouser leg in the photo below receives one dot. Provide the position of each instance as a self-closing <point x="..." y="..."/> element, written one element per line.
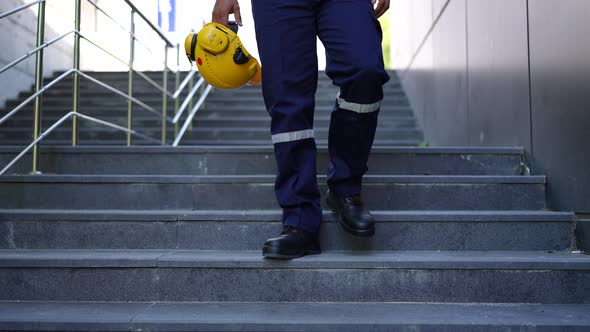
<point x="355" y="64"/>
<point x="292" y="136"/>
<point x="358" y="108"/>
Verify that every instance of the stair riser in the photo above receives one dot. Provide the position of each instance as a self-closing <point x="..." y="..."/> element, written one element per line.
<point x="294" y="285"/>
<point x="190" y="142"/>
<point x="245" y="95"/>
<point x="143" y="90"/>
<point x="192" y="163"/>
<point x="105" y="133"/>
<point x="237" y="196"/>
<point x="138" y="80"/>
<point x="289" y="317"/>
<point x="231" y="111"/>
<point x="139" y="87"/>
<point x="229" y="235"/>
<point x="66" y="102"/>
<point x="153" y="98"/>
<point x="26" y="124"/>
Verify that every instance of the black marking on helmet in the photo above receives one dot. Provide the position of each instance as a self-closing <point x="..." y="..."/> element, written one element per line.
<point x="193" y="44"/>
<point x="220" y="29"/>
<point x="240" y="57"/>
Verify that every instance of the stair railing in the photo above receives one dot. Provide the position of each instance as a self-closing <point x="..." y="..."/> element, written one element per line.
<point x="40" y="89"/>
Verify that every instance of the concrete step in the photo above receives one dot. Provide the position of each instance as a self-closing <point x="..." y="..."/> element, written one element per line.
<point x="90" y="130"/>
<point x="321" y="317"/>
<point x="236" y="111"/>
<point x="257" y="192"/>
<point x="158" y="76"/>
<point x="120" y="108"/>
<point x="245" y="276"/>
<point x="321" y="96"/>
<point x="220" y="160"/>
<point x="156" y="102"/>
<point x="188" y="142"/>
<point x="64" y="88"/>
<point x="248" y="229"/>
<point x="142" y="89"/>
<point x="390" y="122"/>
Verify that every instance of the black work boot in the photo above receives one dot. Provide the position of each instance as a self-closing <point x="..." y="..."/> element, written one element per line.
<point x="352" y="215"/>
<point x="292" y="243"/>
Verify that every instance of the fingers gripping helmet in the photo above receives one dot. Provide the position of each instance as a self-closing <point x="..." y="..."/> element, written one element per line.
<point x="221" y="58"/>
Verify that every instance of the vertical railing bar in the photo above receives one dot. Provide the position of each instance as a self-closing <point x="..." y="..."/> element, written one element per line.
<point x="165" y="96"/>
<point x="190" y="102"/>
<point x="191" y="85"/>
<point x="76" y="94"/>
<point x="38" y="85"/>
<point x="176" y="99"/>
<point x="130" y="77"/>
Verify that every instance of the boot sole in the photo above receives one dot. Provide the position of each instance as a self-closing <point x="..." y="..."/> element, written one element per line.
<point x="356" y="232"/>
<point x="269" y="252"/>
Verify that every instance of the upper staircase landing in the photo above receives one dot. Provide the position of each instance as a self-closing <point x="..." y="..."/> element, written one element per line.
<point x="236" y="117"/>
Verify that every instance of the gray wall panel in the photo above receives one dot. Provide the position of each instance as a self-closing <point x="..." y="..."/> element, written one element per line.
<point x="499" y="111"/>
<point x="509" y="72"/>
<point x="446" y="121"/>
<point x="419" y="86"/>
<point x="560" y="93"/>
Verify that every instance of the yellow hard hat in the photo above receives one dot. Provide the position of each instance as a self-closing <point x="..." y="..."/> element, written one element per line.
<point x="221" y="58"/>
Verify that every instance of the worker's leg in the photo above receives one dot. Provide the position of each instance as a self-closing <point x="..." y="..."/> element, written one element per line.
<point x="286" y="35"/>
<point x="352" y="36"/>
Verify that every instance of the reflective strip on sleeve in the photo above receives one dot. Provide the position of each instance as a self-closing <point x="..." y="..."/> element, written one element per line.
<point x="359" y="108"/>
<point x="292" y="136"/>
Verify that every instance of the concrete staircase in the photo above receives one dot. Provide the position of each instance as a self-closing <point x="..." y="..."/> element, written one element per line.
<point x="153" y="238"/>
<point x="228" y="118"/>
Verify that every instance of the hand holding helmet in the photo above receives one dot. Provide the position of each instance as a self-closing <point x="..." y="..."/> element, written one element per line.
<point x="221" y="58"/>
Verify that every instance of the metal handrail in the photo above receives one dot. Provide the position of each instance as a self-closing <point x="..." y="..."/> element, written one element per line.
<point x="62" y="120"/>
<point x="122" y="94"/>
<point x="133" y="35"/>
<point x="19" y="8"/>
<point x="34" y="95"/>
<point x="34" y="51"/>
<point x="71" y="71"/>
<point x="142" y="75"/>
<point x="183" y="84"/>
<point x="158" y="31"/>
<point x="188" y="98"/>
<point x="40" y="89"/>
<point x="189" y="119"/>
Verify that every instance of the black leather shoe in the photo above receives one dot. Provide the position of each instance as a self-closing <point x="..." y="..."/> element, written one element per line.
<point x="293" y="243"/>
<point x="352" y="215"/>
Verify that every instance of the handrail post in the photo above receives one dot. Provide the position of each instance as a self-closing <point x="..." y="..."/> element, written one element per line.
<point x="202" y="90"/>
<point x="190" y="102"/>
<point x="38" y="84"/>
<point x="164" y="95"/>
<point x="130" y="77"/>
<point x="177" y="100"/>
<point x="76" y="96"/>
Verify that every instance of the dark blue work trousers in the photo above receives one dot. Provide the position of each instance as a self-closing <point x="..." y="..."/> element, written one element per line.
<point x="286" y="32"/>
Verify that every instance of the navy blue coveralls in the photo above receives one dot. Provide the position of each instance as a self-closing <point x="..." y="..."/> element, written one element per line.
<point x="286" y="32"/>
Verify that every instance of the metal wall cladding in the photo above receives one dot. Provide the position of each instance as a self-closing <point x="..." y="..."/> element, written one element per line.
<point x="509" y="72"/>
<point x="447" y="119"/>
<point x="560" y="99"/>
<point x="498" y="92"/>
